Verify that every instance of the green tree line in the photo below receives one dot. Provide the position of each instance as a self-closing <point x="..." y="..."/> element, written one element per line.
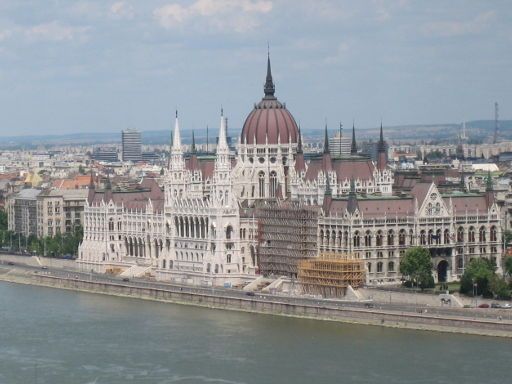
<point x="56" y="246"/>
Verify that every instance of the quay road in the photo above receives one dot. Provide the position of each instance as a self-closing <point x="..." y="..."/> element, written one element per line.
<point x="490" y="314"/>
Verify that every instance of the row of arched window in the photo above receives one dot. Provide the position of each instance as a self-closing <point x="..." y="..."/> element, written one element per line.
<point x="338" y="238"/>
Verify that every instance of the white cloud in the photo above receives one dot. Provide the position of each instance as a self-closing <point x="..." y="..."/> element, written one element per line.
<point x="54" y="31"/>
<point x="458" y="27"/>
<point x="5" y="34"/>
<point x="223" y="15"/>
<point x="122" y="10"/>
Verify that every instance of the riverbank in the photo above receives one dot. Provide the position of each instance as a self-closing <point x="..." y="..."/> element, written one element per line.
<point x="272" y="305"/>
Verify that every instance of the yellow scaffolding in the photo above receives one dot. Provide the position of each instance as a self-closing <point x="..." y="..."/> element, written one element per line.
<point x="330" y="274"/>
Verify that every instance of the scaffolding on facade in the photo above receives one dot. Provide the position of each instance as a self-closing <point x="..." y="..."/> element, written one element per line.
<point x="287" y="234"/>
<point x="330" y="274"/>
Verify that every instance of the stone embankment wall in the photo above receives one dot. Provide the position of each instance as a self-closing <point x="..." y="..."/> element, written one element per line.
<point x="275" y="307"/>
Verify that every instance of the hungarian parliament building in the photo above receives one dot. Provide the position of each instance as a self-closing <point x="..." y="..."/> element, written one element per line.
<point x="230" y="216"/>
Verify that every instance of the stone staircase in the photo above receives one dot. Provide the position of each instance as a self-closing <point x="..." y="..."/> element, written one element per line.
<point x="136" y="271"/>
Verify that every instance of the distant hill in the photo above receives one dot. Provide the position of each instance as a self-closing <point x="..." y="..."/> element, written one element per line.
<point x="477" y="130"/>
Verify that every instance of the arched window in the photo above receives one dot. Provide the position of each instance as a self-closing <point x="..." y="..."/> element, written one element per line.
<point x="321" y="237"/>
<point x="357" y="239"/>
<point x="430" y="236"/>
<point x="261" y="183"/>
<point x="391" y="266"/>
<point x="229" y="232"/>
<point x="228" y="259"/>
<point x="471" y="235"/>
<point x="379" y="238"/>
<point x="438" y="237"/>
<point x="367" y="239"/>
<point x="494" y="235"/>
<point x="273" y="184"/>
<point x="369" y="267"/>
<point x="379" y="266"/>
<point x="111" y="225"/>
<point x="339" y="238"/>
<point x="391" y="237"/>
<point x="460" y="235"/>
<point x="423" y="239"/>
<point x="447" y="236"/>
<point x="481" y="234"/>
<point x="401" y="237"/>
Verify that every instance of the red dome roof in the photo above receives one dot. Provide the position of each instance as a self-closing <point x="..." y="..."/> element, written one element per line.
<point x="270" y="120"/>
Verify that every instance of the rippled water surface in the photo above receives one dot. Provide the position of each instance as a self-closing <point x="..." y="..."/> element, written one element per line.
<point x="63" y="337"/>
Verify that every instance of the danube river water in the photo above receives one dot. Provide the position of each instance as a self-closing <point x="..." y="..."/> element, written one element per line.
<point x="63" y="337"/>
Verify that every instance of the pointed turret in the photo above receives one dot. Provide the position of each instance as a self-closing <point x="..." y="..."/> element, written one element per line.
<point x="269" y="88"/>
<point x="176" y="144"/>
<point x="381" y="151"/>
<point x="353" y="147"/>
<point x="193" y="146"/>
<point x="176" y="158"/>
<point x="222" y="144"/>
<point x="352" y="204"/>
<point x="326" y="140"/>
<point x="299" y="143"/>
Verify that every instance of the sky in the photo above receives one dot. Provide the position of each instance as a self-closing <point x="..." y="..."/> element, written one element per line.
<point x="103" y="66"/>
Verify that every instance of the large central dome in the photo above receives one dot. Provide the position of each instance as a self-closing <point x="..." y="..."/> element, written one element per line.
<point x="269" y="122"/>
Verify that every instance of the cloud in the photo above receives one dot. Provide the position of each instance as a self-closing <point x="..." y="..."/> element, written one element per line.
<point x="459" y="28"/>
<point x="122" y="10"/>
<point x="5" y="34"/>
<point x="222" y="15"/>
<point x="54" y="31"/>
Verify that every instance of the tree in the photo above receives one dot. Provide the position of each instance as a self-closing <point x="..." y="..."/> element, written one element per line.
<point x="416" y="266"/>
<point x="480" y="272"/>
<point x="500" y="288"/>
<point x="508" y="237"/>
<point x="507" y="266"/>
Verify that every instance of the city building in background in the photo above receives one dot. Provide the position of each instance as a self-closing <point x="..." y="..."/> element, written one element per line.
<point x="131" y="145"/>
<point x="106" y="154"/>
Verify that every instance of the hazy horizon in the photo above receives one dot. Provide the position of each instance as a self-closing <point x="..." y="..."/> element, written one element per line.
<point x="68" y="66"/>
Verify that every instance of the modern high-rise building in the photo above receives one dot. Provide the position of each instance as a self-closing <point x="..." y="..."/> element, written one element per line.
<point x="340" y="145"/>
<point x="132" y="145"/>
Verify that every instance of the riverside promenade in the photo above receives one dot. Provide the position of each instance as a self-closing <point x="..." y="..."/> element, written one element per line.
<point x="488" y="322"/>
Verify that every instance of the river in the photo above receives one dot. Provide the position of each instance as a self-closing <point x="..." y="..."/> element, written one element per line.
<point x="62" y="337"/>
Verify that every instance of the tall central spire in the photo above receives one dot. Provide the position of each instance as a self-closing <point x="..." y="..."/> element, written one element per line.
<point x="269" y="88"/>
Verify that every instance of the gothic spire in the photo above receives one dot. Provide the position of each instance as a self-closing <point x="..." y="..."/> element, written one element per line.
<point x="222" y="144"/>
<point x="352" y="204"/>
<point x="326" y="140"/>
<point x="176" y="144"/>
<point x="381" y="146"/>
<point x="193" y="146"/>
<point x="299" y="144"/>
<point x="269" y="83"/>
<point x="353" y="148"/>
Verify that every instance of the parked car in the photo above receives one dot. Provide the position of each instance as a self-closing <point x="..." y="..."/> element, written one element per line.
<point x="10" y="263"/>
<point x="126" y="279"/>
<point x="483" y="305"/>
<point x="506" y="306"/>
<point x="495" y="305"/>
<point x="44" y="267"/>
<point x="249" y="293"/>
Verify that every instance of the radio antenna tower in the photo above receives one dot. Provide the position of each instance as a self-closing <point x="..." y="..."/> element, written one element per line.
<point x="496" y="122"/>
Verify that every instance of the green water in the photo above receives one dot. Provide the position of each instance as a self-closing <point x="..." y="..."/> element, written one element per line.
<point x="62" y="337"/>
